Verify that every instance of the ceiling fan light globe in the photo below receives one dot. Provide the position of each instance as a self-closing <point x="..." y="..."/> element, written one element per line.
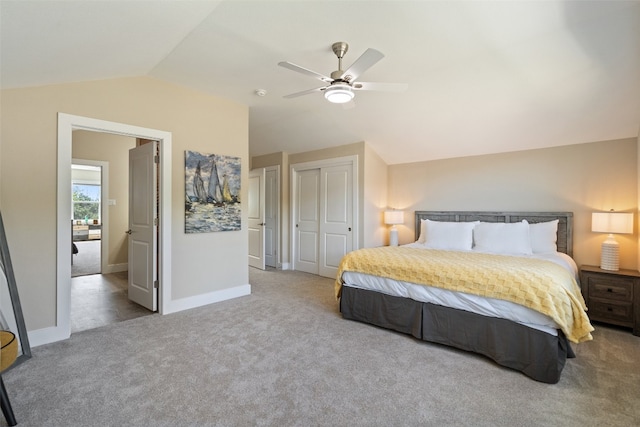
<point x="339" y="94"/>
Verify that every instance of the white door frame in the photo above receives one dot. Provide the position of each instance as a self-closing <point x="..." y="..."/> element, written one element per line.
<point x="66" y="124"/>
<point x="318" y="164"/>
<point x="104" y="211"/>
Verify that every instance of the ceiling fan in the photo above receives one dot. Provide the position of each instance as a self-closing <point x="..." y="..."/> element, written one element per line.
<point x="341" y="85"/>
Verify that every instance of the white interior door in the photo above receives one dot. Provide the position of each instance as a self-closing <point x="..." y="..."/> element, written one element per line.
<point x="256" y="221"/>
<point x="143" y="226"/>
<point x="325" y="214"/>
<point x="336" y="207"/>
<point x="271" y="217"/>
<point x="307" y="221"/>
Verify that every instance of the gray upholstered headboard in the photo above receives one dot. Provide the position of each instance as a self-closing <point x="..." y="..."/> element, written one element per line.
<point x="565" y="221"/>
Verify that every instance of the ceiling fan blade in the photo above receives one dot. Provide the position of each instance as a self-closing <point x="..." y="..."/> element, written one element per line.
<point x="305" y="71"/>
<point x="381" y="87"/>
<point x="305" y="92"/>
<point x="362" y="64"/>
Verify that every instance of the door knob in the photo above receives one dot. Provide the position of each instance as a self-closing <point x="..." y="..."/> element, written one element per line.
<point x="129" y="231"/>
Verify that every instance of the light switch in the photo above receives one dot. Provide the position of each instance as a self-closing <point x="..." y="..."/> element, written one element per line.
<point x="112" y="202"/>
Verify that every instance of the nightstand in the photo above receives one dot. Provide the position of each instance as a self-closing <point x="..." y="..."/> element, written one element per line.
<point x="612" y="296"/>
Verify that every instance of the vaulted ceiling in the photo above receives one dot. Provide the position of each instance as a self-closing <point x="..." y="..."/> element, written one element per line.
<point x="483" y="76"/>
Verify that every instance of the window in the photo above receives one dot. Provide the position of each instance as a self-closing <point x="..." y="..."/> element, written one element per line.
<point x="86" y="201"/>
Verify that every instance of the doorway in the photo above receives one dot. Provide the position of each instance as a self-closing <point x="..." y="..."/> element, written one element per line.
<point x="89" y="186"/>
<point x="263" y="224"/>
<point x="272" y="217"/>
<point x="100" y="194"/>
<point x="66" y="125"/>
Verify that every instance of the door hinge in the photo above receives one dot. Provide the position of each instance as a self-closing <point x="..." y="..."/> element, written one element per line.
<point x="156" y="159"/>
<point x="155" y="221"/>
<point x="155" y="284"/>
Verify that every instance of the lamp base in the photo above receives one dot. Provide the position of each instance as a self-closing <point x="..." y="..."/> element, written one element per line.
<point x="610" y="254"/>
<point x="393" y="236"/>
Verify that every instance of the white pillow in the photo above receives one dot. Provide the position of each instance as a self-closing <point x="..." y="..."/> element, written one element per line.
<point x="423" y="234"/>
<point x="451" y="236"/>
<point x="544" y="236"/>
<point x="503" y="238"/>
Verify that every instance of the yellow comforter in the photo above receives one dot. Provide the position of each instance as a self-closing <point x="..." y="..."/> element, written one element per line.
<point x="537" y="284"/>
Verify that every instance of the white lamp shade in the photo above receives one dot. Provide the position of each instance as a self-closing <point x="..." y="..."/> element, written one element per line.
<point x="393" y="217"/>
<point x="339" y="93"/>
<point x="612" y="222"/>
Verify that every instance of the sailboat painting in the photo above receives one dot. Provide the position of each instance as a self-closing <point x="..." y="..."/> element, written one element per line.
<point x="212" y="192"/>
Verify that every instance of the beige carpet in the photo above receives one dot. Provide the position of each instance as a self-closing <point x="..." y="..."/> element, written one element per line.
<point x="283" y="356"/>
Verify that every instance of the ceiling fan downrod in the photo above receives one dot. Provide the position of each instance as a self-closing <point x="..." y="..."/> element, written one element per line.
<point x="339" y="48"/>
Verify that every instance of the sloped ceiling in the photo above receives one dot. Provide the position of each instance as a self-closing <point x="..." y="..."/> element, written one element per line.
<point x="483" y="76"/>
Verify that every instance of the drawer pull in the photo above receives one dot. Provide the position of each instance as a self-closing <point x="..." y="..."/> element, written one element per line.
<point x="609" y="309"/>
<point x="609" y="290"/>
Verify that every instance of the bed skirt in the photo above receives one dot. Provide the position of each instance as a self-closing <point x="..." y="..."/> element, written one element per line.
<point x="538" y="355"/>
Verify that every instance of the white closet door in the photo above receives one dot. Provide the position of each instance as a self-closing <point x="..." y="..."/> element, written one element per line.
<point x="336" y="218"/>
<point x="307" y="220"/>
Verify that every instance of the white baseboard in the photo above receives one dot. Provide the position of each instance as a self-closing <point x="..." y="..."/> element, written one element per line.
<point x="206" y="299"/>
<point x="285" y="266"/>
<point x="56" y="333"/>
<point x="115" y="268"/>
<point x="47" y="336"/>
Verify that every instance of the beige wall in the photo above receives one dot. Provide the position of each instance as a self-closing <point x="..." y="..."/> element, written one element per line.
<point x="201" y="264"/>
<point x="375" y="199"/>
<point x="113" y="149"/>
<point x="580" y="178"/>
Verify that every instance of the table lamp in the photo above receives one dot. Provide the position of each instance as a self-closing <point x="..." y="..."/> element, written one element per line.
<point x="612" y="223"/>
<point x="392" y="218"/>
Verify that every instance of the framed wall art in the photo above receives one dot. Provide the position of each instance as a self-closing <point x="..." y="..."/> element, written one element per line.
<point x="212" y="193"/>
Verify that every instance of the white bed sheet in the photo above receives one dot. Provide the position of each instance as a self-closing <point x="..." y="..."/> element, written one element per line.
<point x="476" y="304"/>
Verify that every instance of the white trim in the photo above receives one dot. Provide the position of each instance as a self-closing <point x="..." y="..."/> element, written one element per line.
<point x="206" y="299"/>
<point x="46" y="336"/>
<point x="66" y="124"/>
<point x="319" y="164"/>
<point x="104" y="208"/>
<point x="115" y="268"/>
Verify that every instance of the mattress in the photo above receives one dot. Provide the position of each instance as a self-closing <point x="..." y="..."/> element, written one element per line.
<point x="490" y="307"/>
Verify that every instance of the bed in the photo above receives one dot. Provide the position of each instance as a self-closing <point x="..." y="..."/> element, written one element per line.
<point x="500" y="284"/>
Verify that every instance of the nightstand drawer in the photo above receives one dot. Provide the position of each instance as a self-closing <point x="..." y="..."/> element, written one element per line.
<point x="612" y="311"/>
<point x="618" y="289"/>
